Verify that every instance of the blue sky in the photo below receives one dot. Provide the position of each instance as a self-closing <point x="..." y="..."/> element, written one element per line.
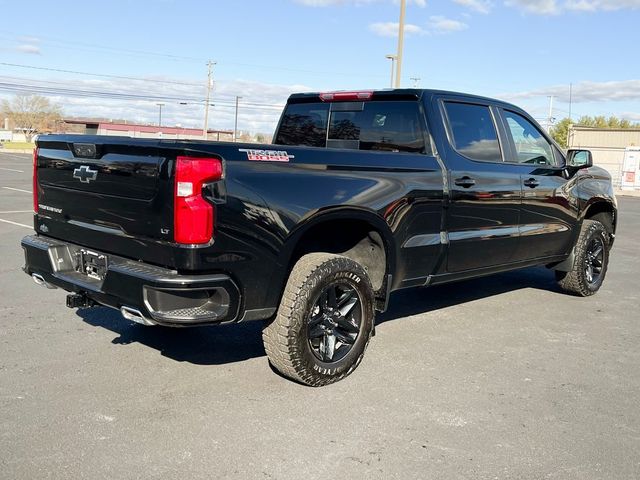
<point x="519" y="50"/>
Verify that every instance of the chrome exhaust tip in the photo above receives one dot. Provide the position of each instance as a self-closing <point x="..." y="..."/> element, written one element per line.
<point x="136" y="316"/>
<point x="39" y="280"/>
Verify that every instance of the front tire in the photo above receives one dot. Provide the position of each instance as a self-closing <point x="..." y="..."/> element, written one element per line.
<point x="324" y="322"/>
<point x="590" y="263"/>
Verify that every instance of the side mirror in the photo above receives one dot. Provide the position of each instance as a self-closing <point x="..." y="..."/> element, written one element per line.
<point x="579" y="159"/>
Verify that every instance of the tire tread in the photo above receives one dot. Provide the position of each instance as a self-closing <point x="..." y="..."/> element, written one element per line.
<point x="279" y="336"/>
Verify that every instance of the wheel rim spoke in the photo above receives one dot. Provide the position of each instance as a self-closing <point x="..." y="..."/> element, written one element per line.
<point x="597" y="251"/>
<point x="346" y="325"/>
<point x="316" y="332"/>
<point x="314" y="321"/>
<point x="348" y="306"/>
<point x="329" y="346"/>
<point x="332" y="299"/>
<point x="346" y="339"/>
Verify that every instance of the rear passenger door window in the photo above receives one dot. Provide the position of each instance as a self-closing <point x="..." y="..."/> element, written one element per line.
<point x="530" y="145"/>
<point x="473" y="131"/>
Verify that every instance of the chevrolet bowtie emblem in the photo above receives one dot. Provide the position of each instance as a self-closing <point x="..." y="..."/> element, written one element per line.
<point x="85" y="174"/>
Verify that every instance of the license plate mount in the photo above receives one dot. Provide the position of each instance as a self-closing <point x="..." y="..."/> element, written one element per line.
<point x="92" y="264"/>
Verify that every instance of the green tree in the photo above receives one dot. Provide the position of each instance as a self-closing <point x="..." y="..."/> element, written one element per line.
<point x="560" y="131"/>
<point x="31" y="114"/>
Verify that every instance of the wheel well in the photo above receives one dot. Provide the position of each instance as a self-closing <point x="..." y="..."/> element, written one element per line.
<point x="604" y="213"/>
<point x="355" y="239"/>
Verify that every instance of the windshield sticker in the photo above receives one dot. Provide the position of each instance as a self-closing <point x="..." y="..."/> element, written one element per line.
<point x="267" y="155"/>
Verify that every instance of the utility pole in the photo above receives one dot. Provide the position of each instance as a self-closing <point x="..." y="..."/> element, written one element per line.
<point x="570" y="99"/>
<point x="550" y="119"/>
<point x="416" y="81"/>
<point x="393" y="61"/>
<point x="210" y="65"/>
<point x="235" y="128"/>
<point x="160" y="105"/>
<point x="403" y="8"/>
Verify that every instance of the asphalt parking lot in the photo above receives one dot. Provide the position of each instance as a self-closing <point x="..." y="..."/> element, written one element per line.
<point x="501" y="377"/>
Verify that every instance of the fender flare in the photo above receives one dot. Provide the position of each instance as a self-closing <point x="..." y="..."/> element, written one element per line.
<point x="345" y="212"/>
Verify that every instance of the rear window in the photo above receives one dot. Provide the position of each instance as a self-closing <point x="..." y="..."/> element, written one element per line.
<point x="383" y="126"/>
<point x="304" y="124"/>
<point x="473" y="131"/>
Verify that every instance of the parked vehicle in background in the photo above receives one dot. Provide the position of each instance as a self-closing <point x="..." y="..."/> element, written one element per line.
<point x="361" y="194"/>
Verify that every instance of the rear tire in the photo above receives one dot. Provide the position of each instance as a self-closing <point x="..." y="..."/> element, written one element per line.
<point x="590" y="263"/>
<point x="324" y="322"/>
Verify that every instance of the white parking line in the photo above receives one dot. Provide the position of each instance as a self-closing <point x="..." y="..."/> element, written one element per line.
<point x="16" y="223"/>
<point x="17" y="189"/>
<point x="17" y="156"/>
<point x="16" y="211"/>
<point x="12" y="170"/>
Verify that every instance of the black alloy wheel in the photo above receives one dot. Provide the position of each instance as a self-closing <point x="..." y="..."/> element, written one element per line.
<point x="324" y="322"/>
<point x="594" y="260"/>
<point x="591" y="257"/>
<point x="334" y="322"/>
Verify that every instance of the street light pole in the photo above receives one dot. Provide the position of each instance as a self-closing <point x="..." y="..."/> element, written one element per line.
<point x="160" y="105"/>
<point x="393" y="61"/>
<point x="210" y="65"/>
<point x="550" y="119"/>
<point x="235" y="128"/>
<point x="403" y="7"/>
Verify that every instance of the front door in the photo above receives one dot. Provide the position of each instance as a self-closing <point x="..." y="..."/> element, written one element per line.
<point x="547" y="219"/>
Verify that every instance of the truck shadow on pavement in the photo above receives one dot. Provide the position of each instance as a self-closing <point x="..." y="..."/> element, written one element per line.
<point x="217" y="345"/>
<point x="412" y="301"/>
<point x="214" y="345"/>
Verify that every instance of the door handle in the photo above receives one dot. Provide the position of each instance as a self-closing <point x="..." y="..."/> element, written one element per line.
<point x="465" y="182"/>
<point x="531" y="183"/>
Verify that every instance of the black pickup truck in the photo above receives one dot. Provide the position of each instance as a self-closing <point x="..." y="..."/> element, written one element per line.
<point x="360" y="194"/>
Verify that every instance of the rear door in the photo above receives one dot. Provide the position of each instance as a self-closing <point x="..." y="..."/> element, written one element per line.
<point x="485" y="192"/>
<point x="547" y="220"/>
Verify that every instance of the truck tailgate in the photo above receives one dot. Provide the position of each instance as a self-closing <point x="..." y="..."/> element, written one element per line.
<point x="105" y="192"/>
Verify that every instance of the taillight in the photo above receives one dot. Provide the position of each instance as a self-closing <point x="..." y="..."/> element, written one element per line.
<point x="35" y="180"/>
<point x="193" y="216"/>
<point x="346" y="96"/>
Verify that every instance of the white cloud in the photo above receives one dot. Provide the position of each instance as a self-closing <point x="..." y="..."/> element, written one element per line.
<point x="28" y="48"/>
<point x="439" y="24"/>
<point x="594" y="5"/>
<point x="328" y="3"/>
<point x="552" y="7"/>
<point x="259" y="109"/>
<point x="615" y="91"/>
<point x="390" y="29"/>
<point x="631" y="116"/>
<point x="29" y="39"/>
<point x="480" y="6"/>
<point x="539" y="7"/>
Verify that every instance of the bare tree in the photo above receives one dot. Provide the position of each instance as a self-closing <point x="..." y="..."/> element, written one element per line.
<point x="31" y="114"/>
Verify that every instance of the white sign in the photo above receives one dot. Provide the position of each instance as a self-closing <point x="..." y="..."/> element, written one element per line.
<point x="631" y="168"/>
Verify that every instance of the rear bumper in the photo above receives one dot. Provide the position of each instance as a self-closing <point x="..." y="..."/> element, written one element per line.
<point x="160" y="295"/>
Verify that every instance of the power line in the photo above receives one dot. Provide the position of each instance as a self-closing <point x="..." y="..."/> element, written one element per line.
<point x="104" y="75"/>
<point x="88" y="93"/>
<point x="102" y="47"/>
<point x="196" y="59"/>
